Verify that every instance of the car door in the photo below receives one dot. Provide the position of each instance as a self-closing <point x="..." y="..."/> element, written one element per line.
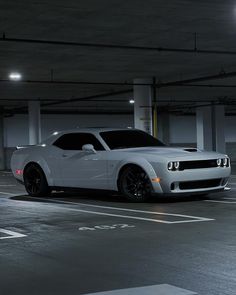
<point x="80" y="168"/>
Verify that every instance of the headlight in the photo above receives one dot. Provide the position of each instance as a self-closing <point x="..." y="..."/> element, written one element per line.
<point x="170" y="166"/>
<point x="225" y="162"/>
<point x="219" y="161"/>
<point x="176" y="165"/>
<point x="173" y="166"/>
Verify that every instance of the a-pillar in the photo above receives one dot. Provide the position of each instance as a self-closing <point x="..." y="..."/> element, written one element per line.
<point x="34" y="122"/>
<point x="2" y="153"/>
<point x="204" y="128"/>
<point x="218" y="126"/>
<point x="143" y="105"/>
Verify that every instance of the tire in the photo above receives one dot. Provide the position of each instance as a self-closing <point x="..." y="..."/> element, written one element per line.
<point x="35" y="181"/>
<point x="134" y="184"/>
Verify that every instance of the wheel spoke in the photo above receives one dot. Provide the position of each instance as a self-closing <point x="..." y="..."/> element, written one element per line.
<point x="33" y="181"/>
<point x="136" y="184"/>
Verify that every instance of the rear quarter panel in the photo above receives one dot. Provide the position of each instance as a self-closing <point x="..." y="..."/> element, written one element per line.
<point x="36" y="154"/>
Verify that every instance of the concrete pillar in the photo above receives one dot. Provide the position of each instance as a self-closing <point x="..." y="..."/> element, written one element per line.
<point x="163" y="124"/>
<point x="211" y="128"/>
<point x="34" y="122"/>
<point x="143" y="105"/>
<point x="218" y="126"/>
<point x="2" y="153"/>
<point x="204" y="128"/>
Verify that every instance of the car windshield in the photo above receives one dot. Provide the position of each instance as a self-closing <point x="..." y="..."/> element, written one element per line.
<point x="123" y="139"/>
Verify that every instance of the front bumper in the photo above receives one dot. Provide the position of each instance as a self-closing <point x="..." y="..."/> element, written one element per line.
<point x="191" y="181"/>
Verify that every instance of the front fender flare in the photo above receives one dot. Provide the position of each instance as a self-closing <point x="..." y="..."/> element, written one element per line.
<point x="142" y="163"/>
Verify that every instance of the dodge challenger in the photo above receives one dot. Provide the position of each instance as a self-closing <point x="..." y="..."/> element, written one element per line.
<point x="129" y="161"/>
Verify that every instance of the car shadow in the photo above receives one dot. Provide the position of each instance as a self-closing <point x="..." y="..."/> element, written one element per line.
<point x="109" y="197"/>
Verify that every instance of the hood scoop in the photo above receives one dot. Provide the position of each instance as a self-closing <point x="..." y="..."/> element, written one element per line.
<point x="191" y="150"/>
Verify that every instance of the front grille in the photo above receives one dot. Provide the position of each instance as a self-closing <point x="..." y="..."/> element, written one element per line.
<point x="185" y="185"/>
<point x="197" y="164"/>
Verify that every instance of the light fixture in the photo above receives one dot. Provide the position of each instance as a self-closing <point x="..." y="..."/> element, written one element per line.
<point x="131" y="101"/>
<point x="173" y="166"/>
<point x="219" y="162"/>
<point x="14" y="76"/>
<point x="170" y="166"/>
<point x="176" y="165"/>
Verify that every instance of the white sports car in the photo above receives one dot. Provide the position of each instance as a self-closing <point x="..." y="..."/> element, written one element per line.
<point x="126" y="160"/>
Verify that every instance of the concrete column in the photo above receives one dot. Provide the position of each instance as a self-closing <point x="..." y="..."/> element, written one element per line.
<point x="143" y="105"/>
<point x="163" y="130"/>
<point x="218" y="126"/>
<point x="34" y="122"/>
<point x="2" y="153"/>
<point x="204" y="128"/>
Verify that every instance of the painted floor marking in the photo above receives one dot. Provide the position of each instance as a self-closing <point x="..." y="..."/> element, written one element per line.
<point x="140" y="211"/>
<point x="10" y="194"/>
<point x="221" y="201"/>
<point x="10" y="234"/>
<point x="191" y="218"/>
<point x="6" y="172"/>
<point x="226" y="200"/>
<point x="163" y="289"/>
<point x="7" y="184"/>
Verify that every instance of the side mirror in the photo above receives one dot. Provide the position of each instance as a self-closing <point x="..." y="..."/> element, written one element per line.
<point x="89" y="148"/>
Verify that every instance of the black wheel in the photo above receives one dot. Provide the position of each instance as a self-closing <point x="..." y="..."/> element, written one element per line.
<point x="35" y="181"/>
<point x="135" y="184"/>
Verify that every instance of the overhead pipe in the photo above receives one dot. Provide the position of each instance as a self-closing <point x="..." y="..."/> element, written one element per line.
<point x="206" y="85"/>
<point x="75" y="82"/>
<point x="195" y="50"/>
<point x="186" y="82"/>
<point x="208" y="102"/>
<point x="222" y="75"/>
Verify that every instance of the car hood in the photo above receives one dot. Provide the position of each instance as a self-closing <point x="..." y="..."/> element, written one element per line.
<point x="175" y="152"/>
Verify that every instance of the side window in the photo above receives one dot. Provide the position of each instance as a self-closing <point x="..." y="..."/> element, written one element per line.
<point x="75" y="141"/>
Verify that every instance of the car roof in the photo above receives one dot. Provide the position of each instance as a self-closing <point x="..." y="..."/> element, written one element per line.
<point x="94" y="130"/>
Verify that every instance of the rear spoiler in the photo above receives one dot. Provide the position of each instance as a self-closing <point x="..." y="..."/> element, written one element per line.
<point x="23" y="146"/>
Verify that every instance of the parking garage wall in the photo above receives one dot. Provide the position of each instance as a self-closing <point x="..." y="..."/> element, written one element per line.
<point x="182" y="129"/>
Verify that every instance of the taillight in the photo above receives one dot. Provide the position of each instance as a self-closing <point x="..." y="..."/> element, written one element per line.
<point x="19" y="172"/>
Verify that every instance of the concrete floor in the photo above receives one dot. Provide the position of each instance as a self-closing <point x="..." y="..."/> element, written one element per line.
<point x="87" y="243"/>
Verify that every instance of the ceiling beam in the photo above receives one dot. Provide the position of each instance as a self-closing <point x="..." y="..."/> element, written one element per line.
<point x="193" y="50"/>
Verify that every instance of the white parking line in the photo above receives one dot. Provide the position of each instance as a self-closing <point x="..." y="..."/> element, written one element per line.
<point x="7" y="185"/>
<point x="10" y="234"/>
<point x="10" y="194"/>
<point x="220" y="201"/>
<point x="223" y="200"/>
<point x="163" y="289"/>
<point x="6" y="172"/>
<point x="190" y="218"/>
<point x="139" y="211"/>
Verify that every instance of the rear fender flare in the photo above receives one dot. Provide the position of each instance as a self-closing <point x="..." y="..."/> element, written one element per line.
<point x="44" y="166"/>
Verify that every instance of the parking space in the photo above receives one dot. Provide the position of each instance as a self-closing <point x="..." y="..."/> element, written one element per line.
<point x="88" y="243"/>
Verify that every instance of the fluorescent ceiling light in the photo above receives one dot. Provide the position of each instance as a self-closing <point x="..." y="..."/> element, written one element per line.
<point x="15" y="76"/>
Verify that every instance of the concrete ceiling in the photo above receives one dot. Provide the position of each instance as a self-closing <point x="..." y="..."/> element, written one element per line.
<point x="150" y="23"/>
